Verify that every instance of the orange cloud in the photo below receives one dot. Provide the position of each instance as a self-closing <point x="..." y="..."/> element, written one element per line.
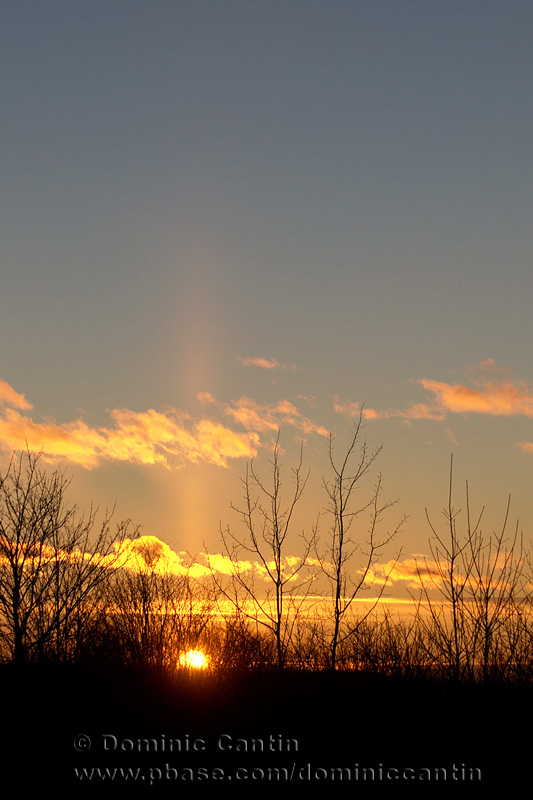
<point x="412" y="571"/>
<point x="74" y="441"/>
<point x="346" y="408"/>
<point x="147" y="437"/>
<point x="489" y="370"/>
<point x="205" y="398"/>
<point x="488" y="395"/>
<point x="495" y="397"/>
<point x="150" y="437"/>
<point x="256" y="417"/>
<point x="415" y="411"/>
<point x="265" y="363"/>
<point x="217" y="562"/>
<point x="527" y="447"/>
<point x="219" y="443"/>
<point x="223" y="565"/>
<point x="9" y="397"/>
<point x="420" y="572"/>
<point x="140" y="554"/>
<point x="150" y="554"/>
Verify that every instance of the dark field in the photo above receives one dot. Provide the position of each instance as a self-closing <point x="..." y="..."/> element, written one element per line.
<point x="348" y="733"/>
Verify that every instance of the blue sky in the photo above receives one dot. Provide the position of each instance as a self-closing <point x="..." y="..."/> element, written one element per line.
<point x="342" y="189"/>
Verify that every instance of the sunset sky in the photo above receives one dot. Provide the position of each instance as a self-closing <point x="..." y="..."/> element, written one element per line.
<point x="221" y="219"/>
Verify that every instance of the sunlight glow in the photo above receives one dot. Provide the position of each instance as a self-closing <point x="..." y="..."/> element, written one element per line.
<point x="194" y="659"/>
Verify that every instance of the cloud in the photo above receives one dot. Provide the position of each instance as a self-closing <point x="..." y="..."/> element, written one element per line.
<point x="9" y="397"/>
<point x="150" y="554"/>
<point x="499" y="398"/>
<point x="311" y="401"/>
<point x="219" y="443"/>
<point x="223" y="565"/>
<point x="496" y="396"/>
<point x="170" y="438"/>
<point x="346" y="408"/>
<point x="412" y="571"/>
<point x="421" y="572"/>
<point x="147" y="554"/>
<point x="260" y="418"/>
<point x="265" y="363"/>
<point x="489" y="370"/>
<point x="452" y="437"/>
<point x="205" y="398"/>
<point x="74" y="441"/>
<point x="415" y="411"/>
<point x="527" y="447"/>
<point x="256" y="417"/>
<point x="149" y="437"/>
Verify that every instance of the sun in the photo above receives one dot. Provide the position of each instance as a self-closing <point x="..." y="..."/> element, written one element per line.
<point x="194" y="659"/>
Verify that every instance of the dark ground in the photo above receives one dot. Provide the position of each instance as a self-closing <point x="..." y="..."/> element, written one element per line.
<point x="403" y="733"/>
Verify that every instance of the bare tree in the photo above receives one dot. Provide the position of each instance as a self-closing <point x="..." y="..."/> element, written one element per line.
<point x="337" y="562"/>
<point x="51" y="562"/>
<point x="267" y="524"/>
<point x="473" y="595"/>
<point x="31" y="509"/>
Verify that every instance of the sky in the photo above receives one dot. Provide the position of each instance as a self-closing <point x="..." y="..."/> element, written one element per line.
<point x="224" y="219"/>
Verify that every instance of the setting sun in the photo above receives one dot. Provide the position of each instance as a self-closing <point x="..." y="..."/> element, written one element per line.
<point x="194" y="659"/>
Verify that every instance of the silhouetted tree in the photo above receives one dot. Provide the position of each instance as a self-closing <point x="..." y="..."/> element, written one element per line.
<point x="338" y="560"/>
<point x="267" y="526"/>
<point x="474" y="594"/>
<point x="51" y="562"/>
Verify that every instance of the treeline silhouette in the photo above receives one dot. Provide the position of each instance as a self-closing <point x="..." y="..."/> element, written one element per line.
<point x="71" y="591"/>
